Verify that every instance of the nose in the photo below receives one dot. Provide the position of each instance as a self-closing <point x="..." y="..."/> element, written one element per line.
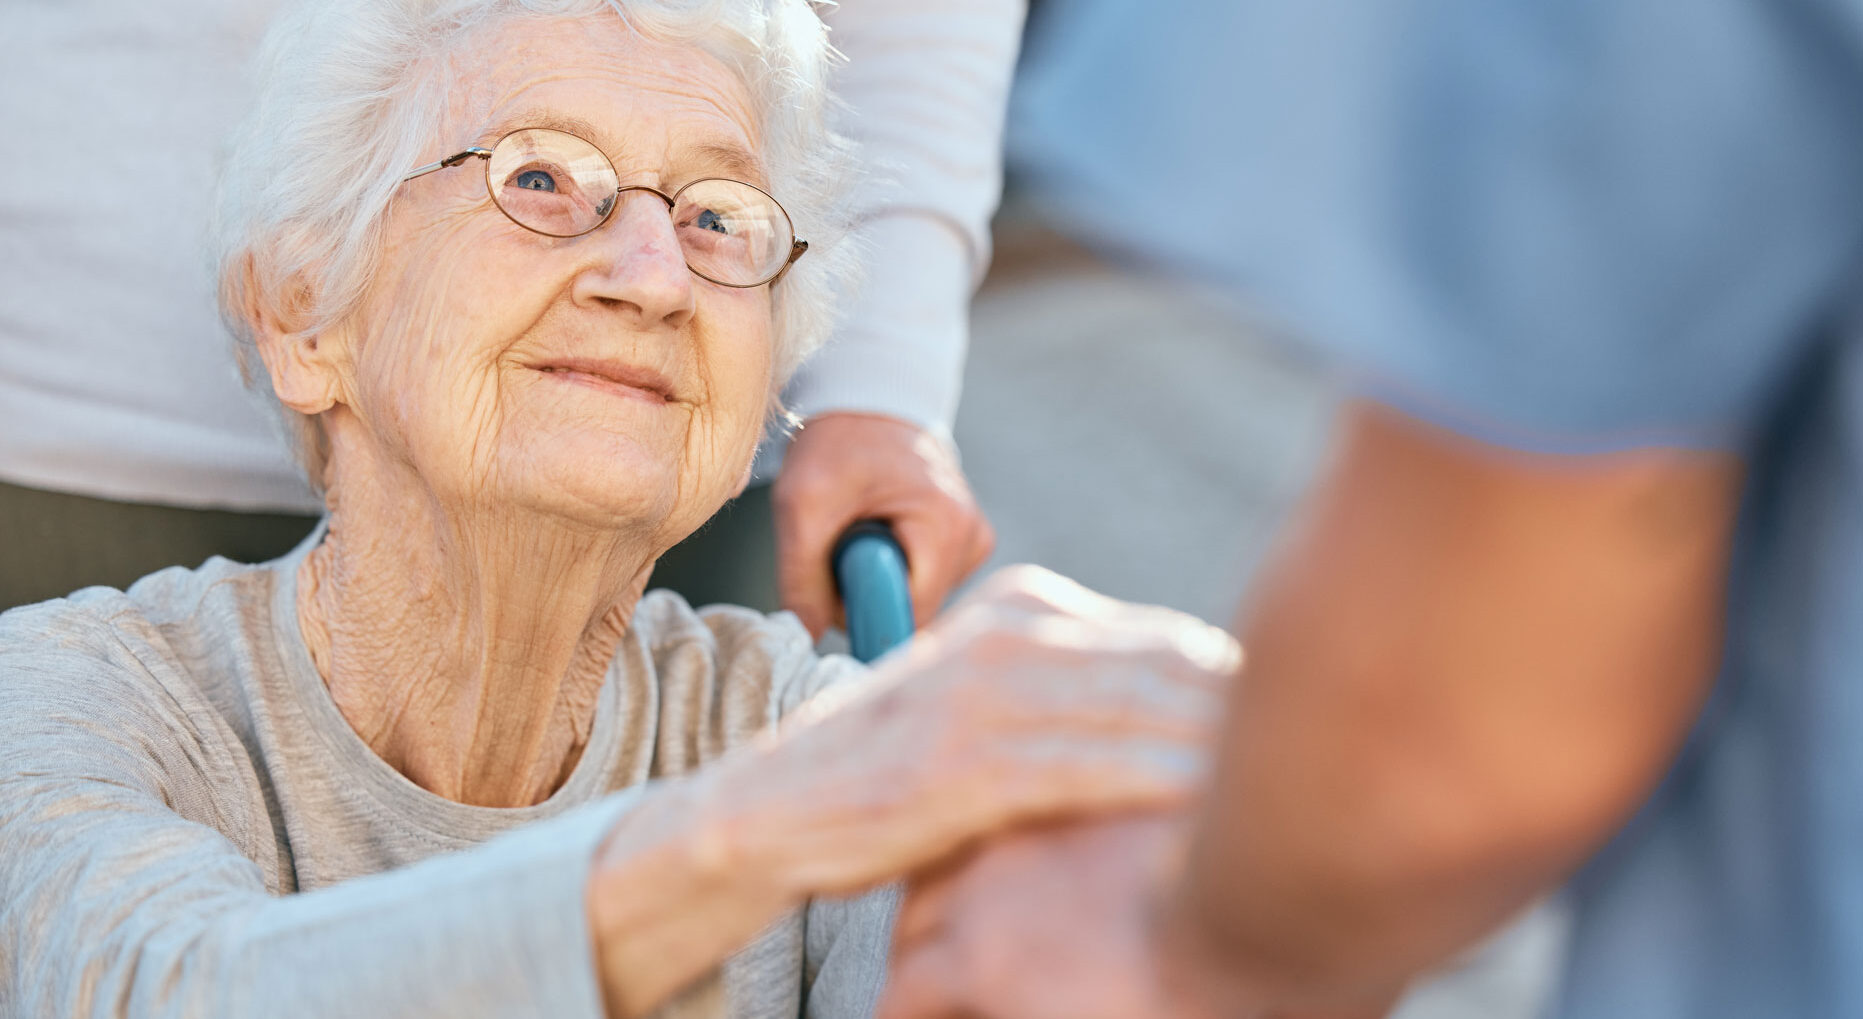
<point x="635" y="265"/>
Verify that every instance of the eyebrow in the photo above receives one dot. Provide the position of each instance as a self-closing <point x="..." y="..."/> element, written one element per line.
<point x="708" y="159"/>
<point x="553" y="121"/>
<point x="729" y="161"/>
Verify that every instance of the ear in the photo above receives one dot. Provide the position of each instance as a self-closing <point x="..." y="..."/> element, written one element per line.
<point x="302" y="365"/>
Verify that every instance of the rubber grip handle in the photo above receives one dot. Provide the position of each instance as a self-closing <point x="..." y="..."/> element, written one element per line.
<point x="870" y="573"/>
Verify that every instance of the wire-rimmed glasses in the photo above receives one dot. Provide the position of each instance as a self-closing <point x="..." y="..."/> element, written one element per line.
<point x="556" y="184"/>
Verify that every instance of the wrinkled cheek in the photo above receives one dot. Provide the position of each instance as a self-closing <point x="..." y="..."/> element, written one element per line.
<point x="429" y="399"/>
<point x="440" y="415"/>
<point x="485" y="414"/>
<point x="724" y="435"/>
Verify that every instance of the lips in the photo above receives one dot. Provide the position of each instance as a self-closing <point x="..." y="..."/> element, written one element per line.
<point x="611" y="374"/>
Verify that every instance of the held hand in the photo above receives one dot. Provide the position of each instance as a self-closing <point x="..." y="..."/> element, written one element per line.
<point x="1047" y="923"/>
<point x="1063" y="922"/>
<point x="844" y="467"/>
<point x="1033" y="699"/>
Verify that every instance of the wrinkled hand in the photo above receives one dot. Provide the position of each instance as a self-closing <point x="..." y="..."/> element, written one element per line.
<point x="1033" y="699"/>
<point x="1048" y="923"/>
<point x="844" y="467"/>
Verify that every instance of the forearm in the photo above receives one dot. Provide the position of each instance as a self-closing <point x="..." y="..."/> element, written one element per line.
<point x="132" y="912"/>
<point x="1455" y="691"/>
<point x="900" y="351"/>
<point x="927" y="88"/>
<point x="674" y="893"/>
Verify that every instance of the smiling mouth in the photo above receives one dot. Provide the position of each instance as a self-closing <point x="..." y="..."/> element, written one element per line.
<point x="622" y="379"/>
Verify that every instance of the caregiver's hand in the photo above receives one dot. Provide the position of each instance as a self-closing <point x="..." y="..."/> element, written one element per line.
<point x="1062" y="922"/>
<point x="843" y="467"/>
<point x="1034" y="699"/>
<point x="1048" y="923"/>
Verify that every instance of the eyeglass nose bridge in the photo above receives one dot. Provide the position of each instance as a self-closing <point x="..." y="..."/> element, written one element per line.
<point x="656" y="192"/>
<point x="614" y="200"/>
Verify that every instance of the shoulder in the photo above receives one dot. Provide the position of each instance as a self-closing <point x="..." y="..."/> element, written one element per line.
<point x="737" y="650"/>
<point x="134" y="680"/>
<point x="163" y="619"/>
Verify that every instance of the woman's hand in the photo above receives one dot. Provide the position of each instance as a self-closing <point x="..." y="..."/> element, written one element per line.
<point x="1033" y="699"/>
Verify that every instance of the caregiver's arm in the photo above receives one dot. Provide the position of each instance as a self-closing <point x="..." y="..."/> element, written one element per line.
<point x="1465" y="671"/>
<point x="926" y="85"/>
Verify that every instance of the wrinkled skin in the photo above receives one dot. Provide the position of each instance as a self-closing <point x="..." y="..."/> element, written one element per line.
<point x="1032" y="699"/>
<point x="493" y="522"/>
<point x="510" y="511"/>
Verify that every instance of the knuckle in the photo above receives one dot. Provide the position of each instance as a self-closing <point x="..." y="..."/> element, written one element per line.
<point x="985" y="539"/>
<point x="998" y="645"/>
<point x="1025" y="585"/>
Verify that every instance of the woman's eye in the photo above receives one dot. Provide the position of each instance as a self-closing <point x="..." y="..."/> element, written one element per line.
<point x="709" y="220"/>
<point x="534" y="180"/>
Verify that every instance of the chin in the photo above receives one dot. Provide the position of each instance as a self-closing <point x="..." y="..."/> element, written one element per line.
<point x="613" y="486"/>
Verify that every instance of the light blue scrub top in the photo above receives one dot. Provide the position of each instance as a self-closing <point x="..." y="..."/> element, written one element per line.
<point x="1570" y="225"/>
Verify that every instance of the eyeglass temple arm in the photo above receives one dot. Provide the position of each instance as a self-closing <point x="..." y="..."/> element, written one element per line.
<point x="796" y="250"/>
<point x="453" y="160"/>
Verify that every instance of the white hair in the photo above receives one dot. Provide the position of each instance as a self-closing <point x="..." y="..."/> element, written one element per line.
<point x="351" y="95"/>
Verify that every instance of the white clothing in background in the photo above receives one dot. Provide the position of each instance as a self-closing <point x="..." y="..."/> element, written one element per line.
<point x="116" y="377"/>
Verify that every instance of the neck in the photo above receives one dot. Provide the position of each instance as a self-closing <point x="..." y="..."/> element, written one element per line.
<point x="468" y="651"/>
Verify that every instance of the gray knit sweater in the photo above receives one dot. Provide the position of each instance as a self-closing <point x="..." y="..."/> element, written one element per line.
<point x="189" y="827"/>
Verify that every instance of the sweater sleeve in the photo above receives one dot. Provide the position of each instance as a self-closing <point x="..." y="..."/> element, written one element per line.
<point x="927" y="85"/>
<point x="123" y="893"/>
<point x="846" y="943"/>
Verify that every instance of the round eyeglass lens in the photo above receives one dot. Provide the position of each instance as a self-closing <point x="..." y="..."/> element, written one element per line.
<point x="551" y="182"/>
<point x="731" y="232"/>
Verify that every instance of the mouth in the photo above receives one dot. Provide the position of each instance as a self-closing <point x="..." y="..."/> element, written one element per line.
<point x="613" y="376"/>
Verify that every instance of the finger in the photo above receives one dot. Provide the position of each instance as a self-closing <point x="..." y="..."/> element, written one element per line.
<point x="1158" y="638"/>
<point x="1033" y="791"/>
<point x="935" y="564"/>
<point x="928" y="899"/>
<point x="1040" y="592"/>
<point x="806" y="527"/>
<point x="1039" y="784"/>
<point x="982" y="543"/>
<point x="1032" y="651"/>
<point x="921" y="985"/>
<point x="1028" y="587"/>
<point x="922" y="913"/>
<point x="1086" y="712"/>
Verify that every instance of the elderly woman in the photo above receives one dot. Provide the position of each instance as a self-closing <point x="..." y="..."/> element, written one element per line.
<point x="519" y="274"/>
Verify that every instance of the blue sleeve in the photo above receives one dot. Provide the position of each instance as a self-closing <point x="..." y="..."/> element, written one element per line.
<point x="1574" y="225"/>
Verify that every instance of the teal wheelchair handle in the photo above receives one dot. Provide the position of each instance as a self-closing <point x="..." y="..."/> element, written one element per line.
<point x="870" y="573"/>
